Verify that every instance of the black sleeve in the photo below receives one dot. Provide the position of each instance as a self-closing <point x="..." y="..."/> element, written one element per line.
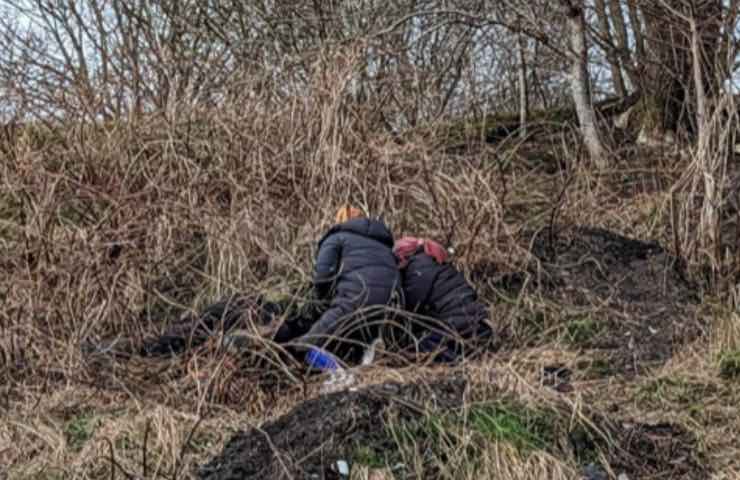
<point x="327" y="265"/>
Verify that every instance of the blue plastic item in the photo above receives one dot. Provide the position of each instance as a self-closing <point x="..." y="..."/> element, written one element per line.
<point x="322" y="360"/>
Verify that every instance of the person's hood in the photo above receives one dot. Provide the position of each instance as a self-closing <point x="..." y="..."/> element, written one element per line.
<point x="406" y="247"/>
<point x="366" y="227"/>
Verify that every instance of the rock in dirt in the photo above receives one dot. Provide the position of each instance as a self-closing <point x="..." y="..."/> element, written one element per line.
<point x="320" y="431"/>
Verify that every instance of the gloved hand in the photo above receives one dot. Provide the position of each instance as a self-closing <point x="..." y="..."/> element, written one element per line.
<point x="322" y="360"/>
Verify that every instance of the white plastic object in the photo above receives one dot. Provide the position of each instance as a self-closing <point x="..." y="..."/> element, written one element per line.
<point x="339" y="379"/>
<point x="369" y="355"/>
<point x="343" y="468"/>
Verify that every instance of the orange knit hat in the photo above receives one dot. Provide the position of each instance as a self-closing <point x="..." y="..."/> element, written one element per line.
<point x="348" y="213"/>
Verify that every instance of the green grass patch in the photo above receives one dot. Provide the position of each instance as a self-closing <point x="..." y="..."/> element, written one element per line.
<point x="461" y="441"/>
<point x="80" y="429"/>
<point x="581" y="331"/>
<point x="729" y="365"/>
<point x="522" y="427"/>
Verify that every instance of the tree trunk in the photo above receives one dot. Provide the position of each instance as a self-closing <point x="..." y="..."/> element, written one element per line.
<point x="671" y="69"/>
<point x="710" y="31"/>
<point x="537" y="83"/>
<point x="699" y="81"/>
<point x="636" y="25"/>
<point x="611" y="55"/>
<point x="620" y="27"/>
<point x="580" y="84"/>
<point x="523" y="94"/>
<point x="728" y="49"/>
<point x="668" y="67"/>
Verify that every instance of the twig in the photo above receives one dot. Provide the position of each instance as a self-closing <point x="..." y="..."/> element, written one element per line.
<point x="556" y="209"/>
<point x="275" y="452"/>
<point x="178" y="462"/>
<point x="114" y="464"/>
<point x="144" y="453"/>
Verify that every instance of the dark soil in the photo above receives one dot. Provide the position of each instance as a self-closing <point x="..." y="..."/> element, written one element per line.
<point x="641" y="450"/>
<point x="316" y="433"/>
<point x="635" y="294"/>
<point x="659" y="450"/>
<point x="307" y="442"/>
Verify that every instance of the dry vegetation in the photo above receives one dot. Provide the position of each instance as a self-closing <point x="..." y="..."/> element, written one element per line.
<point x="116" y="229"/>
<point x="114" y="223"/>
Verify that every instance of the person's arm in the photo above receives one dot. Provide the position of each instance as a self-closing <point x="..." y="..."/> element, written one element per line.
<point x="326" y="270"/>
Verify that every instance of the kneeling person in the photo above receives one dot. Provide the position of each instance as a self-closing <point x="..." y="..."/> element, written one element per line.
<point x="356" y="273"/>
<point x="436" y="289"/>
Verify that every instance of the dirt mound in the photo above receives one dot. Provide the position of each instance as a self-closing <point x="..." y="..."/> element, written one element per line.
<point x="315" y="434"/>
<point x="626" y="297"/>
<point x="350" y="425"/>
<point x="593" y="260"/>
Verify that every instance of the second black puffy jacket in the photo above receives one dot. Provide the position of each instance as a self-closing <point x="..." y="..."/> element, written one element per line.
<point x="355" y="268"/>
<point x="440" y="291"/>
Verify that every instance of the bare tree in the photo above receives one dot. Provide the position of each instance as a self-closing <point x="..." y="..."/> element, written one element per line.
<point x="611" y="54"/>
<point x="636" y="24"/>
<point x="580" y="82"/>
<point x="523" y="89"/>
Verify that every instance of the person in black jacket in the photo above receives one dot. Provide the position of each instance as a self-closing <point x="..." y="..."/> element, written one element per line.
<point x="356" y="273"/>
<point x="435" y="289"/>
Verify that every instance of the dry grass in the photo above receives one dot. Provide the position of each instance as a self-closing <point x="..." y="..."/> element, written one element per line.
<point x="117" y="229"/>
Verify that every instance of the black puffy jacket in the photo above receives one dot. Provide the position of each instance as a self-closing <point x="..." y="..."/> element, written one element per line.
<point x="441" y="292"/>
<point x="355" y="261"/>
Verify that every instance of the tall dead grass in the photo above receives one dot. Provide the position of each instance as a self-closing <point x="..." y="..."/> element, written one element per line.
<point x="706" y="206"/>
<point x="115" y="229"/>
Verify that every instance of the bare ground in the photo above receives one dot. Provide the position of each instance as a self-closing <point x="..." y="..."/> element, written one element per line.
<point x="628" y="299"/>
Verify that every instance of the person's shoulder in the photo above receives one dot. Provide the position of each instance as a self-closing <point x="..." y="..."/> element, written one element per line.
<point x="334" y="233"/>
<point x="374" y="229"/>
